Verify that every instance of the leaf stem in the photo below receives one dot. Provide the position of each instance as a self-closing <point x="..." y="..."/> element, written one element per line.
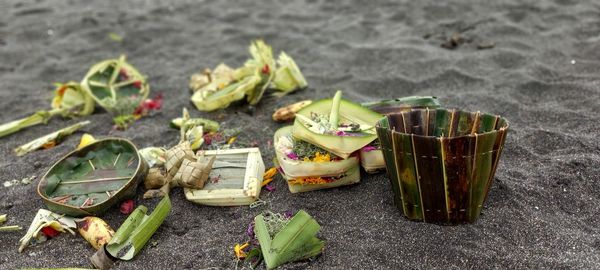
<point x="335" y="110"/>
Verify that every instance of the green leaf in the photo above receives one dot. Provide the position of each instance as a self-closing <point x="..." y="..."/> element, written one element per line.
<point x="135" y="232"/>
<point x="295" y="241"/>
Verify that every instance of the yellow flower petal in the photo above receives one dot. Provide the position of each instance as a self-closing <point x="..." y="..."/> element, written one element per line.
<point x="270" y="173"/>
<point x="266" y="182"/>
<point x="86" y="139"/>
<point x="239" y="250"/>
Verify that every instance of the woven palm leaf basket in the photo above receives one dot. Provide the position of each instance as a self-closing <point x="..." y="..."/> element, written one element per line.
<point x="441" y="162"/>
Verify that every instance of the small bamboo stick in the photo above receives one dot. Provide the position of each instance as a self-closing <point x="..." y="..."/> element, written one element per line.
<point x="10" y="228"/>
<point x="116" y="159"/>
<point x="94" y="180"/>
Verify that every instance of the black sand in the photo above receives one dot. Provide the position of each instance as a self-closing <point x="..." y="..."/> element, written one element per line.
<point x="543" y="75"/>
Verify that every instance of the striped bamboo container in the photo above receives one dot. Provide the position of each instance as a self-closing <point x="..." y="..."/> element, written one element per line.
<point x="441" y="162"/>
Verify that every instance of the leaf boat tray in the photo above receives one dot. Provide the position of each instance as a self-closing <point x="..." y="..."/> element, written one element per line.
<point x="90" y="180"/>
<point x="235" y="178"/>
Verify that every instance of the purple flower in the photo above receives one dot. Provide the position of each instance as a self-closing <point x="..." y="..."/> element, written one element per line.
<point x="270" y="188"/>
<point x="369" y="148"/>
<point x="292" y="155"/>
<point x="250" y="230"/>
<point x="340" y="133"/>
<point x="288" y="214"/>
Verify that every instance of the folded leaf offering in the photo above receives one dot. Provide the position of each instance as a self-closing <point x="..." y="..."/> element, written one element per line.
<point x="219" y="88"/>
<point x="118" y="87"/>
<point x="88" y="181"/>
<point x="50" y="140"/>
<point x="306" y="167"/>
<point x="284" y="240"/>
<point x="337" y="125"/>
<point x="69" y="101"/>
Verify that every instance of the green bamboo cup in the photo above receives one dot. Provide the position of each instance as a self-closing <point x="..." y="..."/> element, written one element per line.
<point x="441" y="162"/>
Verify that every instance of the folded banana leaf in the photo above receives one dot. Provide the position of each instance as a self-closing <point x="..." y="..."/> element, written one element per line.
<point x="288" y="77"/>
<point x="402" y="104"/>
<point x="133" y="235"/>
<point x="90" y="180"/>
<point x="118" y="87"/>
<point x="296" y="240"/>
<point x="347" y="112"/>
<point x="137" y="229"/>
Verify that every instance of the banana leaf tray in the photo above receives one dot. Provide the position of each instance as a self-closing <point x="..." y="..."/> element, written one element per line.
<point x="440" y="162"/>
<point x="235" y="178"/>
<point x="88" y="181"/>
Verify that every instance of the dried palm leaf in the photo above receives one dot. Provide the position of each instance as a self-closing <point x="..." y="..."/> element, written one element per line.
<point x="45" y="218"/>
<point x="176" y="155"/>
<point x="69" y="101"/>
<point x="49" y="140"/>
<point x="193" y="174"/>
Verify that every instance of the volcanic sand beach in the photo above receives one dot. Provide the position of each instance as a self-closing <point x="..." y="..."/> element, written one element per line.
<point x="543" y="75"/>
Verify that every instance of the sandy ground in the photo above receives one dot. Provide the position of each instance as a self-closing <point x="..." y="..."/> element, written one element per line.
<point x="543" y="75"/>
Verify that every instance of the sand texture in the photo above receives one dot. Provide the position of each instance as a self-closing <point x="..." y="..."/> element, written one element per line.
<point x="543" y="75"/>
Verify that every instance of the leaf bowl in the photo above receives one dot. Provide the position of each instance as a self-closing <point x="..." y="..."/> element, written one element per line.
<point x="441" y="162"/>
<point x="88" y="181"/>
